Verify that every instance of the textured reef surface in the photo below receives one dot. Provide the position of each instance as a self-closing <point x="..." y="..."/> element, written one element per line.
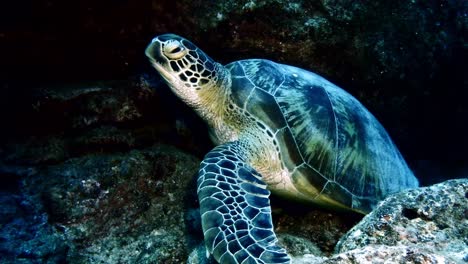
<point x="427" y="224"/>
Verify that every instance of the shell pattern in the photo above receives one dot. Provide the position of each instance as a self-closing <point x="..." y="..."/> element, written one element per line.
<point x="327" y="138"/>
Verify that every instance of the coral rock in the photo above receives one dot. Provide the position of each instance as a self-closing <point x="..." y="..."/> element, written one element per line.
<point x="430" y="221"/>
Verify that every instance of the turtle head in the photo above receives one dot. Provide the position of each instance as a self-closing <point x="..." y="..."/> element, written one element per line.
<point x="187" y="70"/>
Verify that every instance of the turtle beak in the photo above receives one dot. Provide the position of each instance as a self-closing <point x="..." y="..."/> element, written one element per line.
<point x="153" y="52"/>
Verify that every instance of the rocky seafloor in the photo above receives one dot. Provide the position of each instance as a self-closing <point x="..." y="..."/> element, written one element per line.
<point x="104" y="171"/>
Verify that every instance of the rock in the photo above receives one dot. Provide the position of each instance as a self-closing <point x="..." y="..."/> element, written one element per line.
<point x="376" y="254"/>
<point x="37" y="150"/>
<point x="26" y="236"/>
<point x="320" y="227"/>
<point x="123" y="208"/>
<point x="307" y="259"/>
<point x="65" y="121"/>
<point x="299" y="246"/>
<point x="132" y="207"/>
<point x="199" y="256"/>
<point x="430" y="221"/>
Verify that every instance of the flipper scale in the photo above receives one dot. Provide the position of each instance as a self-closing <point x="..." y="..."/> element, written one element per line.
<point x="235" y="211"/>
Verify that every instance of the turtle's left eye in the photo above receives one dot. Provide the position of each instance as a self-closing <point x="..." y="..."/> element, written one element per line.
<point x="174" y="49"/>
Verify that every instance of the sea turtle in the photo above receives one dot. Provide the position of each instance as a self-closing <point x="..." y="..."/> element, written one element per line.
<point x="277" y="128"/>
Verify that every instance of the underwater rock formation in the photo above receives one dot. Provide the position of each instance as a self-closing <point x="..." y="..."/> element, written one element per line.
<point x="123" y="208"/>
<point x="389" y="254"/>
<point x="63" y="121"/>
<point x="429" y="223"/>
<point x="126" y="207"/>
<point x="25" y="234"/>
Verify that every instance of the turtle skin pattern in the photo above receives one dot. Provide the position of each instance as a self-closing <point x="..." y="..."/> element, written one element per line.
<point x="235" y="206"/>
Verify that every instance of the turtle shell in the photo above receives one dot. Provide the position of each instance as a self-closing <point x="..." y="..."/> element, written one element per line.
<point x="336" y="150"/>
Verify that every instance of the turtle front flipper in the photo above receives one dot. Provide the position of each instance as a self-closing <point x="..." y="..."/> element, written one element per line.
<point x="235" y="209"/>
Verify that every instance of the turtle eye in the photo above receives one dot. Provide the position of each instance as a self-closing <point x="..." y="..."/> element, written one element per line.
<point x="173" y="49"/>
